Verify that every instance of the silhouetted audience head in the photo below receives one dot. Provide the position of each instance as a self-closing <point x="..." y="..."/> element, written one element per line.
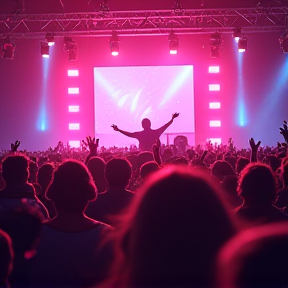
<point x="6" y="258"/>
<point x="44" y="176"/>
<point x="255" y="258"/>
<point x="144" y="157"/>
<point x="118" y="172"/>
<point x="273" y="161"/>
<point x="146" y="123"/>
<point x="96" y="166"/>
<point x="257" y="184"/>
<point x="72" y="187"/>
<point x="241" y="163"/>
<point x="220" y="169"/>
<point x="284" y="174"/>
<point x="33" y="170"/>
<point x="177" y="225"/>
<point x="229" y="186"/>
<point x="148" y="168"/>
<point x="15" y="169"/>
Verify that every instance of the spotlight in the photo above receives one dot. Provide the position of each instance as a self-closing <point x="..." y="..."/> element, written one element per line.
<point x="8" y="49"/>
<point x="173" y="43"/>
<point x="215" y="43"/>
<point x="114" y="44"/>
<point x="70" y="46"/>
<point x="50" y="39"/>
<point x="283" y="40"/>
<point x="242" y="44"/>
<point x="237" y="34"/>
<point x="45" y="49"/>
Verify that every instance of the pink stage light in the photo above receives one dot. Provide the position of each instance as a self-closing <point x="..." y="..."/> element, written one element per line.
<point x="74" y="126"/>
<point x="214" y="69"/>
<point x="74" y="143"/>
<point x="215" y="105"/>
<point x="73" y="108"/>
<point x="215" y="123"/>
<point x="73" y="90"/>
<point x="214" y="87"/>
<point x="73" y="73"/>
<point x="215" y="140"/>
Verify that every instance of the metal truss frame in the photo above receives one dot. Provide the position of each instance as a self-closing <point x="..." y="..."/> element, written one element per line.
<point x="145" y="22"/>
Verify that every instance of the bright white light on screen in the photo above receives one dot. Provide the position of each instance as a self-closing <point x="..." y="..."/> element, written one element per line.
<point x="73" y="90"/>
<point x="74" y="126"/>
<point x="215" y="140"/>
<point x="215" y="105"/>
<point x="73" y="108"/>
<point x="214" y="87"/>
<point x="74" y="143"/>
<point x="215" y="123"/>
<point x="73" y="73"/>
<point x="214" y="69"/>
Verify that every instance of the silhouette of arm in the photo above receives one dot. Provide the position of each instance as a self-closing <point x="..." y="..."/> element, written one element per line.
<point x="164" y="127"/>
<point x="129" y="134"/>
<point x="156" y="152"/>
<point x="284" y="131"/>
<point x="93" y="145"/>
<point x="254" y="149"/>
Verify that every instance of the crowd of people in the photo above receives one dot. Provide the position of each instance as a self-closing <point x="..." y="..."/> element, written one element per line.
<point x="211" y="216"/>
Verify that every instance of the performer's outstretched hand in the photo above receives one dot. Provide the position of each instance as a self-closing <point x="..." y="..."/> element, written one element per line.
<point x="175" y="115"/>
<point x="115" y="127"/>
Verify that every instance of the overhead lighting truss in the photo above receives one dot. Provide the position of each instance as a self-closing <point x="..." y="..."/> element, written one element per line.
<point x="145" y="22"/>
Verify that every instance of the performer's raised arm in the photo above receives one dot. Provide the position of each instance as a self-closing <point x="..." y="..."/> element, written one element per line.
<point x="129" y="134"/>
<point x="165" y="126"/>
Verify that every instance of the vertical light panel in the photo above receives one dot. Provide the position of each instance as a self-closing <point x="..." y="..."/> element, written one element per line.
<point x="214" y="87"/>
<point x="74" y="126"/>
<point x="73" y="73"/>
<point x="74" y="143"/>
<point x="214" y="105"/>
<point x="73" y="90"/>
<point x="73" y="108"/>
<point x="214" y="69"/>
<point x="215" y="123"/>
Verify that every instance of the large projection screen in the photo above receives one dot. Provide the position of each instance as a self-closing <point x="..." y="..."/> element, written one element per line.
<point x="124" y="96"/>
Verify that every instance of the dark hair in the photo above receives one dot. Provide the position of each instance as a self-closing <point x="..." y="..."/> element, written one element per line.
<point x="96" y="166"/>
<point x="257" y="183"/>
<point x="177" y="225"/>
<point x="118" y="172"/>
<point x="148" y="168"/>
<point x="220" y="169"/>
<point x="255" y="258"/>
<point x="44" y="176"/>
<point x="241" y="163"/>
<point x="72" y="186"/>
<point x="15" y="169"/>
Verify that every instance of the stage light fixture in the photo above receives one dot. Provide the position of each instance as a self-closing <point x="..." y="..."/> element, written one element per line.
<point x="283" y="40"/>
<point x="237" y="34"/>
<point x="242" y="44"/>
<point x="173" y="43"/>
<point x="44" y="49"/>
<point x="50" y="39"/>
<point x="216" y="42"/>
<point x="114" y="44"/>
<point x="70" y="46"/>
<point x="8" y="49"/>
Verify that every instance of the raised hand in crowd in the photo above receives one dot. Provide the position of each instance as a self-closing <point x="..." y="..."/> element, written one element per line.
<point x="156" y="152"/>
<point x="93" y="144"/>
<point x="175" y="115"/>
<point x="254" y="149"/>
<point x="115" y="127"/>
<point x="15" y="146"/>
<point x="284" y="131"/>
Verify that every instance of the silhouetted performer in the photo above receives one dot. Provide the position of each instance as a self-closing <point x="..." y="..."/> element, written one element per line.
<point x="148" y="136"/>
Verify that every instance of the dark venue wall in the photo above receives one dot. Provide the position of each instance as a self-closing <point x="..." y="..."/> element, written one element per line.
<point x="33" y="91"/>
